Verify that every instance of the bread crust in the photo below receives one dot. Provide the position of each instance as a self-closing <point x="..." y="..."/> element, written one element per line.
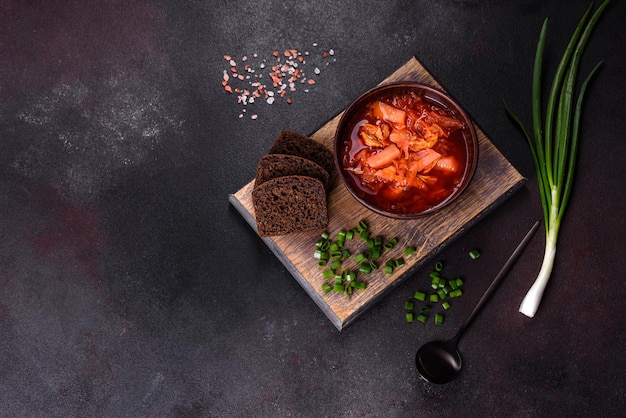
<point x="278" y="165"/>
<point x="293" y="143"/>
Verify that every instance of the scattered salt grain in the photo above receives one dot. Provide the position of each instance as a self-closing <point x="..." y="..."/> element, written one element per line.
<point x="288" y="69"/>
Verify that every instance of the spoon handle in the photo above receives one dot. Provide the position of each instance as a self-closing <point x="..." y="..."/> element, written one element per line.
<point x="492" y="287"/>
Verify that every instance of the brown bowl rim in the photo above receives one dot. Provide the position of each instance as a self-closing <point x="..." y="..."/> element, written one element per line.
<point x="471" y="143"/>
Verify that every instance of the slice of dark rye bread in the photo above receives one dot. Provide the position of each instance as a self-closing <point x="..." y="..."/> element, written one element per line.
<point x="289" y="204"/>
<point x="293" y="143"/>
<point x="278" y="165"/>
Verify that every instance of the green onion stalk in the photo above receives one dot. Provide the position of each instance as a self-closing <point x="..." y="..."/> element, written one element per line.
<point x="554" y="145"/>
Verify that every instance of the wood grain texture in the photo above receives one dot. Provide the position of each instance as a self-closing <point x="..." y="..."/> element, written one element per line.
<point x="494" y="180"/>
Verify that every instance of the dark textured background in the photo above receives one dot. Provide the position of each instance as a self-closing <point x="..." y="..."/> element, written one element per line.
<point x="129" y="287"/>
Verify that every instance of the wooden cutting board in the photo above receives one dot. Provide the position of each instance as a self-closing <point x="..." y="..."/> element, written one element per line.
<point x="494" y="180"/>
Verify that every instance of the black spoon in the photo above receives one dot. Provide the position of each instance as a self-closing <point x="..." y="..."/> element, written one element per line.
<point x="440" y="361"/>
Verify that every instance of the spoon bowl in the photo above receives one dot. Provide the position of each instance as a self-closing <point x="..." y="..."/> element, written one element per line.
<point x="439" y="361"/>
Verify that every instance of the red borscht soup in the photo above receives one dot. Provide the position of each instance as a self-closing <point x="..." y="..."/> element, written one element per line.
<point x="406" y="152"/>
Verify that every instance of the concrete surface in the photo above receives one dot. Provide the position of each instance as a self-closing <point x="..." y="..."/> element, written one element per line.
<point x="129" y="287"/>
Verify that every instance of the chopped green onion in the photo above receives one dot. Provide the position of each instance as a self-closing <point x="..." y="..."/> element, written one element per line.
<point x="359" y="285"/>
<point x="331" y="255"/>
<point x="365" y="268"/>
<point x="409" y="251"/>
<point x="321" y="255"/>
<point x="373" y="242"/>
<point x="391" y="243"/>
<point x="420" y="296"/>
<point x="474" y="254"/>
<point x="444" y="289"/>
<point x="434" y="283"/>
<point x="335" y="265"/>
<point x="349" y="291"/>
<point x="336" y="255"/>
<point x="409" y="317"/>
<point x="326" y="288"/>
<point x="339" y="288"/>
<point x="408" y="305"/>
